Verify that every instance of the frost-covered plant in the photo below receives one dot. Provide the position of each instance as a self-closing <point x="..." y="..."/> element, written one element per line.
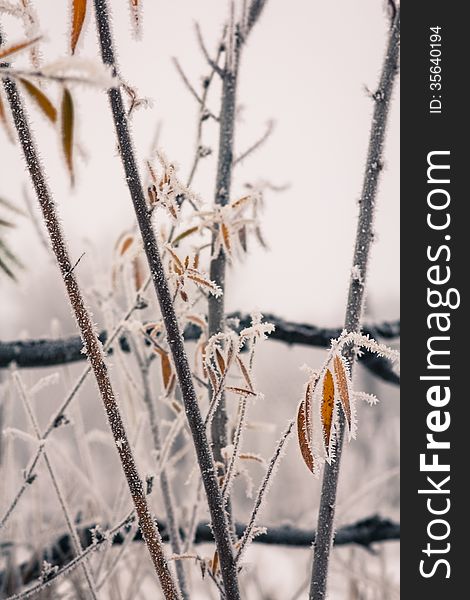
<point x="178" y="413"/>
<point x="328" y="394"/>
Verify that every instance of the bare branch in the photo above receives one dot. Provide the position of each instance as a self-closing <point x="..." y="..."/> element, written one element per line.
<point x="364" y="532"/>
<point x="213" y="64"/>
<point x="47" y="352"/>
<point x="266" y="135"/>
<point x="191" y="89"/>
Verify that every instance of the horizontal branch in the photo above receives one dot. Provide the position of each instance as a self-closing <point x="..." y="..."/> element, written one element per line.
<point x="363" y="533"/>
<point x="49" y="352"/>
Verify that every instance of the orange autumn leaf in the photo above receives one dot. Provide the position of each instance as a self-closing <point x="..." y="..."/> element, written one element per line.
<point x="327" y="406"/>
<point x="166" y="370"/>
<point x="215" y="563"/>
<point x="343" y="388"/>
<point x="125" y="244"/>
<point x="78" y="17"/>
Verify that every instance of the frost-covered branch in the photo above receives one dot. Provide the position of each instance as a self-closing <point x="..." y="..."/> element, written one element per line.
<point x="364" y="532"/>
<point x="51" y="352"/>
<point x="91" y="344"/>
<point x="175" y="339"/>
<point x="355" y="303"/>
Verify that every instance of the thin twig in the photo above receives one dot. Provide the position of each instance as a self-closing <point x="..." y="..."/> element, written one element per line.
<point x="193" y="92"/>
<point x="355" y="302"/>
<point x="213" y="64"/>
<point x="55" y="484"/>
<point x="256" y="145"/>
<point x="264" y="487"/>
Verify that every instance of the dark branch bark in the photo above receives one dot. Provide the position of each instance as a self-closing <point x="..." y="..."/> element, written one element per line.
<point x="48" y="353"/>
<point x="365" y="532"/>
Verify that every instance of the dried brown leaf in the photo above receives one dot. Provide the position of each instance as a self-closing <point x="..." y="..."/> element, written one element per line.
<point x="124" y="244"/>
<point x="215" y="563"/>
<point x="220" y="361"/>
<point x="245" y="373"/>
<point x="67" y="130"/>
<point x="166" y="369"/>
<point x="304" y="430"/>
<point x="46" y="106"/>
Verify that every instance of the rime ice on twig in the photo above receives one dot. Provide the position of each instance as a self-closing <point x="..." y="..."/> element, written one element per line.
<point x="250" y="530"/>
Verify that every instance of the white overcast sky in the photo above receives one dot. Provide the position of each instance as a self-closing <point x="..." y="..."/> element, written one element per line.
<point x="307" y="66"/>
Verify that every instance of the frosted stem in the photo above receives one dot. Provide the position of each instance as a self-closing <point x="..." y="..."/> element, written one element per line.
<point x="355" y="303"/>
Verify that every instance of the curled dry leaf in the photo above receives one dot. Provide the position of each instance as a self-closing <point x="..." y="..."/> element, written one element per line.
<point x="327" y="407"/>
<point x="46" y="106"/>
<point x="304" y="429"/>
<point x="78" y="17"/>
<point x="67" y="130"/>
<point x="342" y="386"/>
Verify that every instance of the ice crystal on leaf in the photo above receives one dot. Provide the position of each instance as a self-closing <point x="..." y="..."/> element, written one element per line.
<point x="166" y="189"/>
<point x="329" y="392"/>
